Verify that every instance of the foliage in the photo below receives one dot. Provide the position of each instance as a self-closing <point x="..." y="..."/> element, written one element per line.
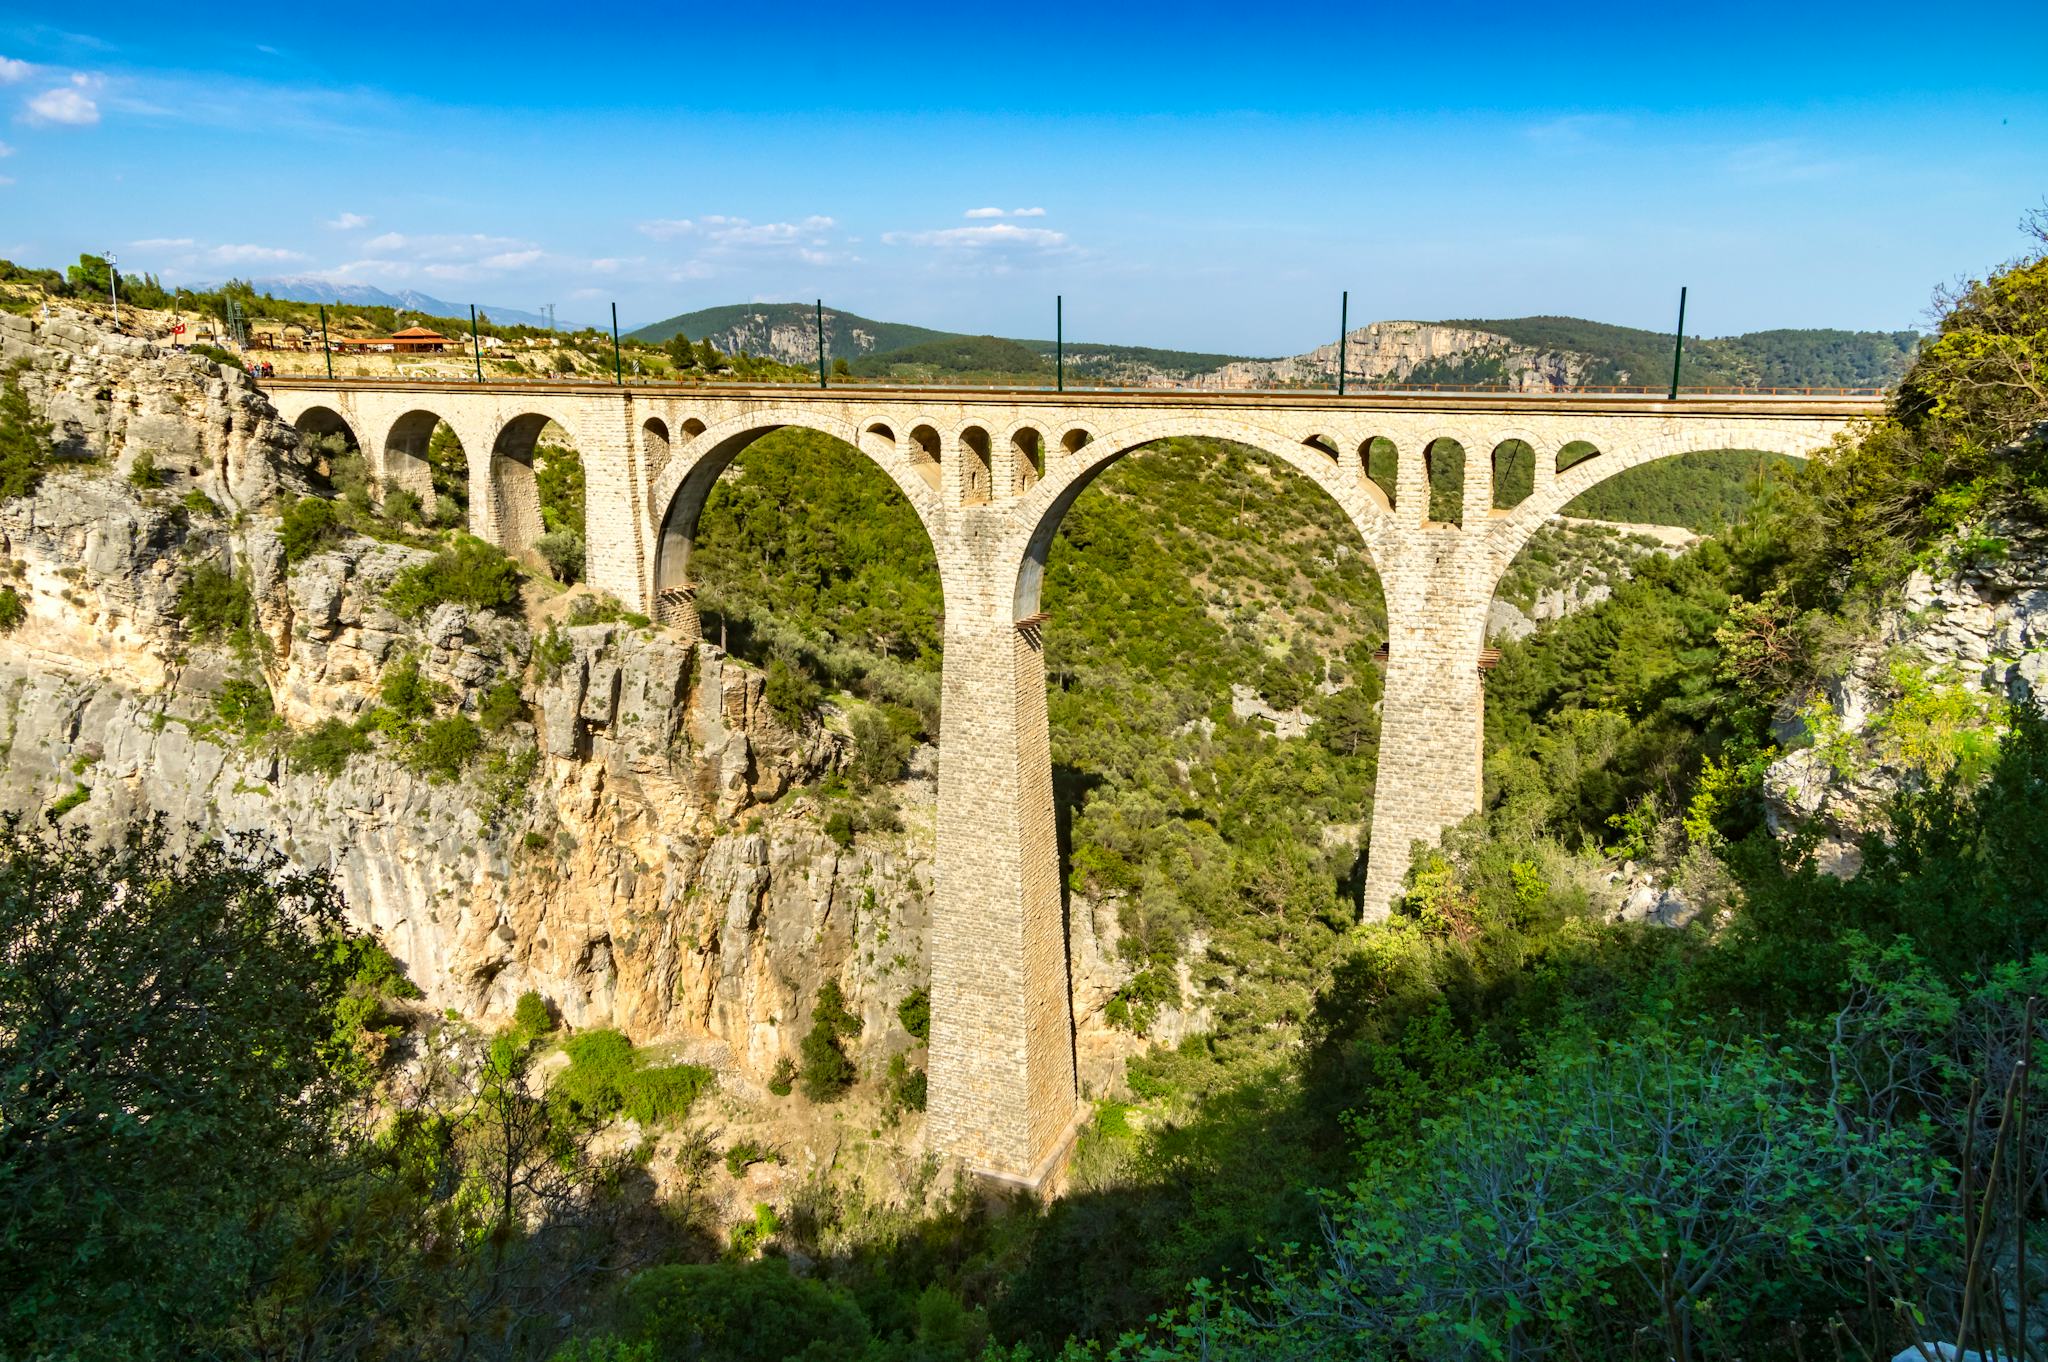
<point x="783" y="1080"/>
<point x="214" y="604"/>
<point x="790" y="691"/>
<point x="168" y="1076"/>
<point x="826" y="1071"/>
<point x="24" y="439"/>
<point x="468" y="572"/>
<point x="246" y="707"/>
<point x="915" y="1012"/>
<point x="740" y="1312"/>
<point x="13" y="610"/>
<point x="1702" y="491"/>
<point x="744" y="1154"/>
<point x="501" y="705"/>
<point x="309" y="525"/>
<point x="442" y="747"/>
<point x="904" y="1089"/>
<point x="143" y="472"/>
<point x="608" y="1077"/>
<point x="563" y="551"/>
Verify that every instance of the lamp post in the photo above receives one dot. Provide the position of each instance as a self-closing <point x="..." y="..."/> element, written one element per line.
<point x="114" y="288"/>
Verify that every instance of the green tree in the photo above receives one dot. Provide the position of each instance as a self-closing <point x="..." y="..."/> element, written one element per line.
<point x="166" y="1078"/>
<point x="826" y="1070"/>
<point x="24" y="440"/>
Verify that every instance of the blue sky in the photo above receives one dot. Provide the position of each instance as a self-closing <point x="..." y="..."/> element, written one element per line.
<point x="1188" y="177"/>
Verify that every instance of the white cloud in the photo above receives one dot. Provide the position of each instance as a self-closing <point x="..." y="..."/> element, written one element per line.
<point x="510" y="260"/>
<point x="348" y="222"/>
<point x="1027" y="212"/>
<point x="983" y="213"/>
<point x="68" y="105"/>
<point x="245" y="254"/>
<point x="12" y="71"/>
<point x="388" y="241"/>
<point x="6" y="150"/>
<point x="6" y="180"/>
<point x="995" y="236"/>
<point x="731" y="231"/>
<point x="163" y="243"/>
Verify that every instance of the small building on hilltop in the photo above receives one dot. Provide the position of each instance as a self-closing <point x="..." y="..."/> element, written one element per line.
<point x="414" y="340"/>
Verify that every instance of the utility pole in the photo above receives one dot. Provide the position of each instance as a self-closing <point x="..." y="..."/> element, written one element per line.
<point x="1059" y="341"/>
<point x="1343" y="335"/>
<point x="618" y="369"/>
<point x="476" y="344"/>
<point x="325" y="348"/>
<point x="1678" y="349"/>
<point x="114" y="287"/>
<point x="821" y="342"/>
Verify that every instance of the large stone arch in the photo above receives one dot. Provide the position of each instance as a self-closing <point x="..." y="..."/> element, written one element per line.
<point x="1511" y="532"/>
<point x="504" y="496"/>
<point x="402" y="460"/>
<point x="681" y="489"/>
<point x="321" y="418"/>
<point x="1046" y="504"/>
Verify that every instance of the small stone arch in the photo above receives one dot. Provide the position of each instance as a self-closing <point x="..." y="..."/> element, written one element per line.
<point x="405" y="462"/>
<point x="1574" y="452"/>
<point x="926" y="453"/>
<point x="1379" y="469"/>
<point x="510" y="514"/>
<point x="977" y="474"/>
<point x="1027" y="449"/>
<point x="1445" y="469"/>
<point x="691" y="428"/>
<point x="1076" y="440"/>
<point x="654" y="444"/>
<point x="1514" y="473"/>
<point x="1323" y="445"/>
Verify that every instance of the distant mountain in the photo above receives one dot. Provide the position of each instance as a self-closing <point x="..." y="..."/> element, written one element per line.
<point x="1528" y="353"/>
<point x="311" y="289"/>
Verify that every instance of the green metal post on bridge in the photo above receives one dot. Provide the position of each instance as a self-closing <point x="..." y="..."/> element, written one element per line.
<point x="1059" y="341"/>
<point x="821" y="342"/>
<point x="325" y="348"/>
<point x="1678" y="347"/>
<point x="1343" y="336"/>
<point x="618" y="367"/>
<point x="476" y="345"/>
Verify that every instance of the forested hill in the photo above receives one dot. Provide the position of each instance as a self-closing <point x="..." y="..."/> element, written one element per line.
<point x="1567" y="349"/>
<point x="1812" y="357"/>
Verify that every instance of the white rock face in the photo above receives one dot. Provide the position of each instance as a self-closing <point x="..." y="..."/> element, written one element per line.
<point x="1393" y="351"/>
<point x="1982" y="626"/>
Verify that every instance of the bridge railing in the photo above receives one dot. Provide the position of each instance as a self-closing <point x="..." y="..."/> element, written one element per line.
<point x="871" y="384"/>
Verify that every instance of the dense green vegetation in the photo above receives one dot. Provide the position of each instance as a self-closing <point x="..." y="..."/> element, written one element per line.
<point x="1702" y="491"/>
<point x="1783" y="358"/>
<point x="24" y="440"/>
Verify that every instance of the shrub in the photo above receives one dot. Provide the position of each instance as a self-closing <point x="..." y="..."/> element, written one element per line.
<point x="402" y="505"/>
<point x="500" y="705"/>
<point x="741" y="1312"/>
<point x="791" y="692"/>
<point x="880" y="748"/>
<point x="906" y="1087"/>
<point x="442" y="748"/>
<point x="750" y="1235"/>
<point x="783" y="1079"/>
<point x="24" y="440"/>
<point x="827" y="1072"/>
<point x="746" y="1153"/>
<point x="246" y="707"/>
<point x="309" y="525"/>
<point x="198" y="503"/>
<point x="563" y="550"/>
<point x="531" y="1015"/>
<point x="216" y="354"/>
<point x="915" y="1012"/>
<point x="467" y="572"/>
<point x="70" y="800"/>
<point x="325" y="750"/>
<point x="552" y="653"/>
<point x="143" y="472"/>
<point x="213" y="603"/>
<point x="13" y="610"/>
<point x="607" y="1077"/>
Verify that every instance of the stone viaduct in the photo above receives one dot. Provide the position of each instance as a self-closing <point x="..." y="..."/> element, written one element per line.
<point x="990" y="473"/>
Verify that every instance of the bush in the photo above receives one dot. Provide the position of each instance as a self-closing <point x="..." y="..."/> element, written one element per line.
<point x="827" y="1072"/>
<point x="214" y="603"/>
<point x="741" y="1312"/>
<point x="467" y="572"/>
<point x="143" y="472"/>
<point x="246" y="707"/>
<point x="216" y="354"/>
<point x="607" y="1076"/>
<point x="13" y="610"/>
<point x="790" y="691"/>
<point x="915" y="1012"/>
<point x="325" y="750"/>
<point x="309" y="525"/>
<point x="906" y="1087"/>
<point x="746" y="1153"/>
<point x="197" y="502"/>
<point x="500" y="706"/>
<point x="24" y="440"/>
<point x="402" y="504"/>
<point x="783" y="1079"/>
<point x="563" y="551"/>
<point x="442" y="748"/>
<point x="531" y="1015"/>
<point x="409" y="696"/>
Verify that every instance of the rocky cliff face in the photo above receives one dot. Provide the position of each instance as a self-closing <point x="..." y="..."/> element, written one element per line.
<point x="1928" y="691"/>
<point x="1394" y="352"/>
<point x="644" y="847"/>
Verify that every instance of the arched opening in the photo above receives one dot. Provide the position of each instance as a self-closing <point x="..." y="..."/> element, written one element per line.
<point x="1209" y="620"/>
<point x="409" y="462"/>
<point x="1575" y="452"/>
<point x="1028" y="448"/>
<point x="976" y="474"/>
<point x="333" y="453"/>
<point x="691" y="428"/>
<point x="1444" y="462"/>
<point x="1074" y="441"/>
<point x="1380" y="464"/>
<point x="654" y="448"/>
<point x="787" y="542"/>
<point x="1323" y="445"/>
<point x="1699" y="491"/>
<point x="924" y="445"/>
<point x="1514" y="473"/>
<point x="512" y="519"/>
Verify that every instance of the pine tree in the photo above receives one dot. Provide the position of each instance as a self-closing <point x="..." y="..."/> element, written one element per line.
<point x="24" y="441"/>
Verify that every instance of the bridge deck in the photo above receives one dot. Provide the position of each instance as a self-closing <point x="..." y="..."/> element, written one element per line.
<point x="1848" y="403"/>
